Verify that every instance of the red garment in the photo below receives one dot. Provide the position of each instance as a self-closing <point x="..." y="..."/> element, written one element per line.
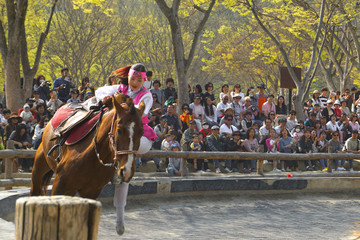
<point x="34" y="114"/>
<point x="205" y="132"/>
<point x="337" y="112"/>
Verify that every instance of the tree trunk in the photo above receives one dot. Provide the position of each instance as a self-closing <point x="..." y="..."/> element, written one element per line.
<point x="12" y="79"/>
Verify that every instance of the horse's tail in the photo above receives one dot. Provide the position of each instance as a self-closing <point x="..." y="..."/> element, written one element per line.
<point x="45" y="181"/>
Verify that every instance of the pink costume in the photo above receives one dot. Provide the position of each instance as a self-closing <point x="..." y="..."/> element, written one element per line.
<point x="149" y="133"/>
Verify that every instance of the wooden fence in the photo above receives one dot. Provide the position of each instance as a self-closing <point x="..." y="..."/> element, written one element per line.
<point x="10" y="154"/>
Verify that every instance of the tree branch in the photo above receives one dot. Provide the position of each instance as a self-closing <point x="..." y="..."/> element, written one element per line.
<point x="164" y="8"/>
<point x="3" y="44"/>
<point x="197" y="35"/>
<point x="43" y="38"/>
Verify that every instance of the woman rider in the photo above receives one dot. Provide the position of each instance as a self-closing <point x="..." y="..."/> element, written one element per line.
<point x="132" y="80"/>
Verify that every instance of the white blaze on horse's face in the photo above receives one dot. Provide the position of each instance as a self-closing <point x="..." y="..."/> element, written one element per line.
<point x="129" y="163"/>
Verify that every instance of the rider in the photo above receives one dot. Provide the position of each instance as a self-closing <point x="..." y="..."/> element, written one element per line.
<point x="132" y="80"/>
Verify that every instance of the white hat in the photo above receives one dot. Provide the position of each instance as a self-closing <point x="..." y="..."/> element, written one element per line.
<point x="26" y="105"/>
<point x="329" y="101"/>
<point x="337" y="102"/>
<point x="237" y="95"/>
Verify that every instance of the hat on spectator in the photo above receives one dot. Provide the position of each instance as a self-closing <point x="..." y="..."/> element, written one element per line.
<point x="316" y="91"/>
<point x="329" y="101"/>
<point x="354" y="88"/>
<point x="262" y="85"/>
<point x="30" y="99"/>
<point x="337" y="102"/>
<point x="237" y="95"/>
<point x="228" y="108"/>
<point x="14" y="115"/>
<point x="214" y="127"/>
<point x="192" y="121"/>
<point x="174" y="145"/>
<point x="26" y="106"/>
<point x="247" y="98"/>
<point x="205" y="123"/>
<point x="282" y="120"/>
<point x="236" y="133"/>
<point x="342" y="100"/>
<point x="163" y="117"/>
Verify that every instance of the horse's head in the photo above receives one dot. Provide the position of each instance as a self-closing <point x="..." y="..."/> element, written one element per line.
<point x="127" y="131"/>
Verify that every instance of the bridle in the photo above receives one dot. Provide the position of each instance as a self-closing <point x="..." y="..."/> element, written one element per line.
<point x="117" y="153"/>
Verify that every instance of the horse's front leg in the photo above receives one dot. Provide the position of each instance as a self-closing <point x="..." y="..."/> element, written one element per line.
<point x="62" y="186"/>
<point x="121" y="192"/>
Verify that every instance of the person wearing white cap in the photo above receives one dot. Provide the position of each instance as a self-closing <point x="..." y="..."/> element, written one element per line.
<point x="337" y="109"/>
<point x="237" y="106"/>
<point x="328" y="111"/>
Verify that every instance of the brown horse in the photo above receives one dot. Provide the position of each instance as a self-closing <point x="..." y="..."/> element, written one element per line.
<point x="80" y="169"/>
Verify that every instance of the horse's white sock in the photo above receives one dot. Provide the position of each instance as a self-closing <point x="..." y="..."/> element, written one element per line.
<point x="121" y="192"/>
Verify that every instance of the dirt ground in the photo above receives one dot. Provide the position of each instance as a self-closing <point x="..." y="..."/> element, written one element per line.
<point x="231" y="217"/>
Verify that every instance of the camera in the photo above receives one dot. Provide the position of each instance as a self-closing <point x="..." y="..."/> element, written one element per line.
<point x="253" y="108"/>
<point x="48" y="83"/>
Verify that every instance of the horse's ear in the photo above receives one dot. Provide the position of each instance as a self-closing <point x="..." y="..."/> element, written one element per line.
<point x="141" y="108"/>
<point x="117" y="100"/>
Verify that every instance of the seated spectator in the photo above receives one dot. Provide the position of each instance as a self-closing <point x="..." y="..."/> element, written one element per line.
<point x="246" y="123"/>
<point x="235" y="122"/>
<point x="255" y="126"/>
<point x="291" y="121"/>
<point x="335" y="147"/>
<point x="354" y="124"/>
<point x="38" y="132"/>
<point x="287" y="145"/>
<point x="30" y="102"/>
<point x="188" y="135"/>
<point x="220" y="108"/>
<point x="323" y="98"/>
<point x="297" y="132"/>
<point x="260" y="99"/>
<point x="237" y="106"/>
<point x="328" y="111"/>
<point x="185" y="117"/>
<point x="333" y="126"/>
<point x="264" y="131"/>
<point x="318" y="128"/>
<point x="153" y="120"/>
<point x="251" y="144"/>
<point x="337" y="109"/>
<point x="281" y="108"/>
<point x="317" y="111"/>
<point x="234" y="144"/>
<point x="214" y="143"/>
<point x="161" y="130"/>
<point x="54" y="103"/>
<point x="225" y="92"/>
<point x="344" y="108"/>
<point x="159" y="92"/>
<point x="268" y="106"/>
<point x="227" y="128"/>
<point x="304" y="145"/>
<point x="282" y="125"/>
<point x="4" y="118"/>
<point x="351" y="146"/>
<point x="173" y="121"/>
<point x="250" y="108"/>
<point x="210" y="112"/>
<point x="37" y="100"/>
<point x="13" y="121"/>
<point x="148" y="83"/>
<point x="316" y="98"/>
<point x="272" y="116"/>
<point x="272" y="144"/>
<point x="321" y="146"/>
<point x="86" y="90"/>
<point x="22" y="140"/>
<point x="197" y="93"/>
<point x="196" y="146"/>
<point x="236" y="91"/>
<point x="42" y="86"/>
<point x="156" y="108"/>
<point x="310" y="122"/>
<point x="197" y="111"/>
<point x="74" y="96"/>
<point x="27" y="117"/>
<point x="209" y="87"/>
<point x="175" y="164"/>
<point x="40" y="112"/>
<point x="170" y="90"/>
<point x="205" y="130"/>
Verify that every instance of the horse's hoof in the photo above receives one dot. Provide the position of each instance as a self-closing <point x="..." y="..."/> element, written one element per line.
<point x="120" y="229"/>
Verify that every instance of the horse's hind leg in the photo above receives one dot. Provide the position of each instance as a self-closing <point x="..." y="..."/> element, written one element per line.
<point x="41" y="173"/>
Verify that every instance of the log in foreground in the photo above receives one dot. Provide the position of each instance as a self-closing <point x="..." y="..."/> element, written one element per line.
<point x="57" y="217"/>
<point x="248" y="155"/>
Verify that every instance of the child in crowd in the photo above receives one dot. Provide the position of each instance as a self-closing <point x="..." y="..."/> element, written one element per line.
<point x="175" y="164"/>
<point x="170" y="90"/>
<point x="196" y="146"/>
<point x="74" y="96"/>
<point x="205" y="130"/>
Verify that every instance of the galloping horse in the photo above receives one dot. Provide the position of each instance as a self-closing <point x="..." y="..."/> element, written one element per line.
<point x="80" y="169"/>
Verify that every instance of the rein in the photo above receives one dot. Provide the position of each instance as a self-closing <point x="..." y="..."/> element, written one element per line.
<point x="117" y="153"/>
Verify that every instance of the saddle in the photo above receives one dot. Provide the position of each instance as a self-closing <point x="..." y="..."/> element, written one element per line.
<point x="74" y="121"/>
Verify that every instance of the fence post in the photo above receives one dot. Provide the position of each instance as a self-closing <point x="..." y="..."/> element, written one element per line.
<point x="9" y="163"/>
<point x="260" y="163"/>
<point x="56" y="217"/>
<point x="330" y="161"/>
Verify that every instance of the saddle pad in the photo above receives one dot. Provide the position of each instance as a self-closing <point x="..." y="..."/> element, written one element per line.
<point x="82" y="130"/>
<point x="60" y="115"/>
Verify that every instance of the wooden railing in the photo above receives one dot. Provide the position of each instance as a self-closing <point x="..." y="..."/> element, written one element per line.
<point x="10" y="154"/>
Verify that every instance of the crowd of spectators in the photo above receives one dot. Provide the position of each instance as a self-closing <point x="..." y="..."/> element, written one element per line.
<point x="232" y="120"/>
